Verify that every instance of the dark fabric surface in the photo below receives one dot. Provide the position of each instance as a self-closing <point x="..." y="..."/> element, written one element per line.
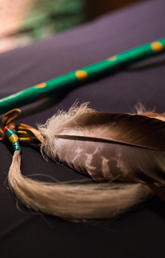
<point x="139" y="233"/>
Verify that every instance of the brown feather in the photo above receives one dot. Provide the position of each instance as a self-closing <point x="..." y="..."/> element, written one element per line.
<point x="111" y="146"/>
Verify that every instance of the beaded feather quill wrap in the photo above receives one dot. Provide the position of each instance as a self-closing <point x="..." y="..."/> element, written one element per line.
<point x="123" y="153"/>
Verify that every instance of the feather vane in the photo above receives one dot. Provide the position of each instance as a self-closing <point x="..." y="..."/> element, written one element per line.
<point x="108" y="146"/>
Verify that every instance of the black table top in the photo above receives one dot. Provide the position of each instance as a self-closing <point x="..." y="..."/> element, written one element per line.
<point x="139" y="233"/>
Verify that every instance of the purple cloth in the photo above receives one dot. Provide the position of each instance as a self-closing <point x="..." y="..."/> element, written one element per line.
<point x="24" y="233"/>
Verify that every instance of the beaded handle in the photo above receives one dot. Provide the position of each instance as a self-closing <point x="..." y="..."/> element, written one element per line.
<point x="11" y="135"/>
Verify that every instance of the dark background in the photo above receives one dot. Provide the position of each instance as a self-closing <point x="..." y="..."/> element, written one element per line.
<point x="139" y="233"/>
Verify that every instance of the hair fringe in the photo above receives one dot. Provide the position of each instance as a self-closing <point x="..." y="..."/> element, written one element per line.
<point x="77" y="201"/>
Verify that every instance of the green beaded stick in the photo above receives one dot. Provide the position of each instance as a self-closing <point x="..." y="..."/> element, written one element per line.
<point x="86" y="74"/>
